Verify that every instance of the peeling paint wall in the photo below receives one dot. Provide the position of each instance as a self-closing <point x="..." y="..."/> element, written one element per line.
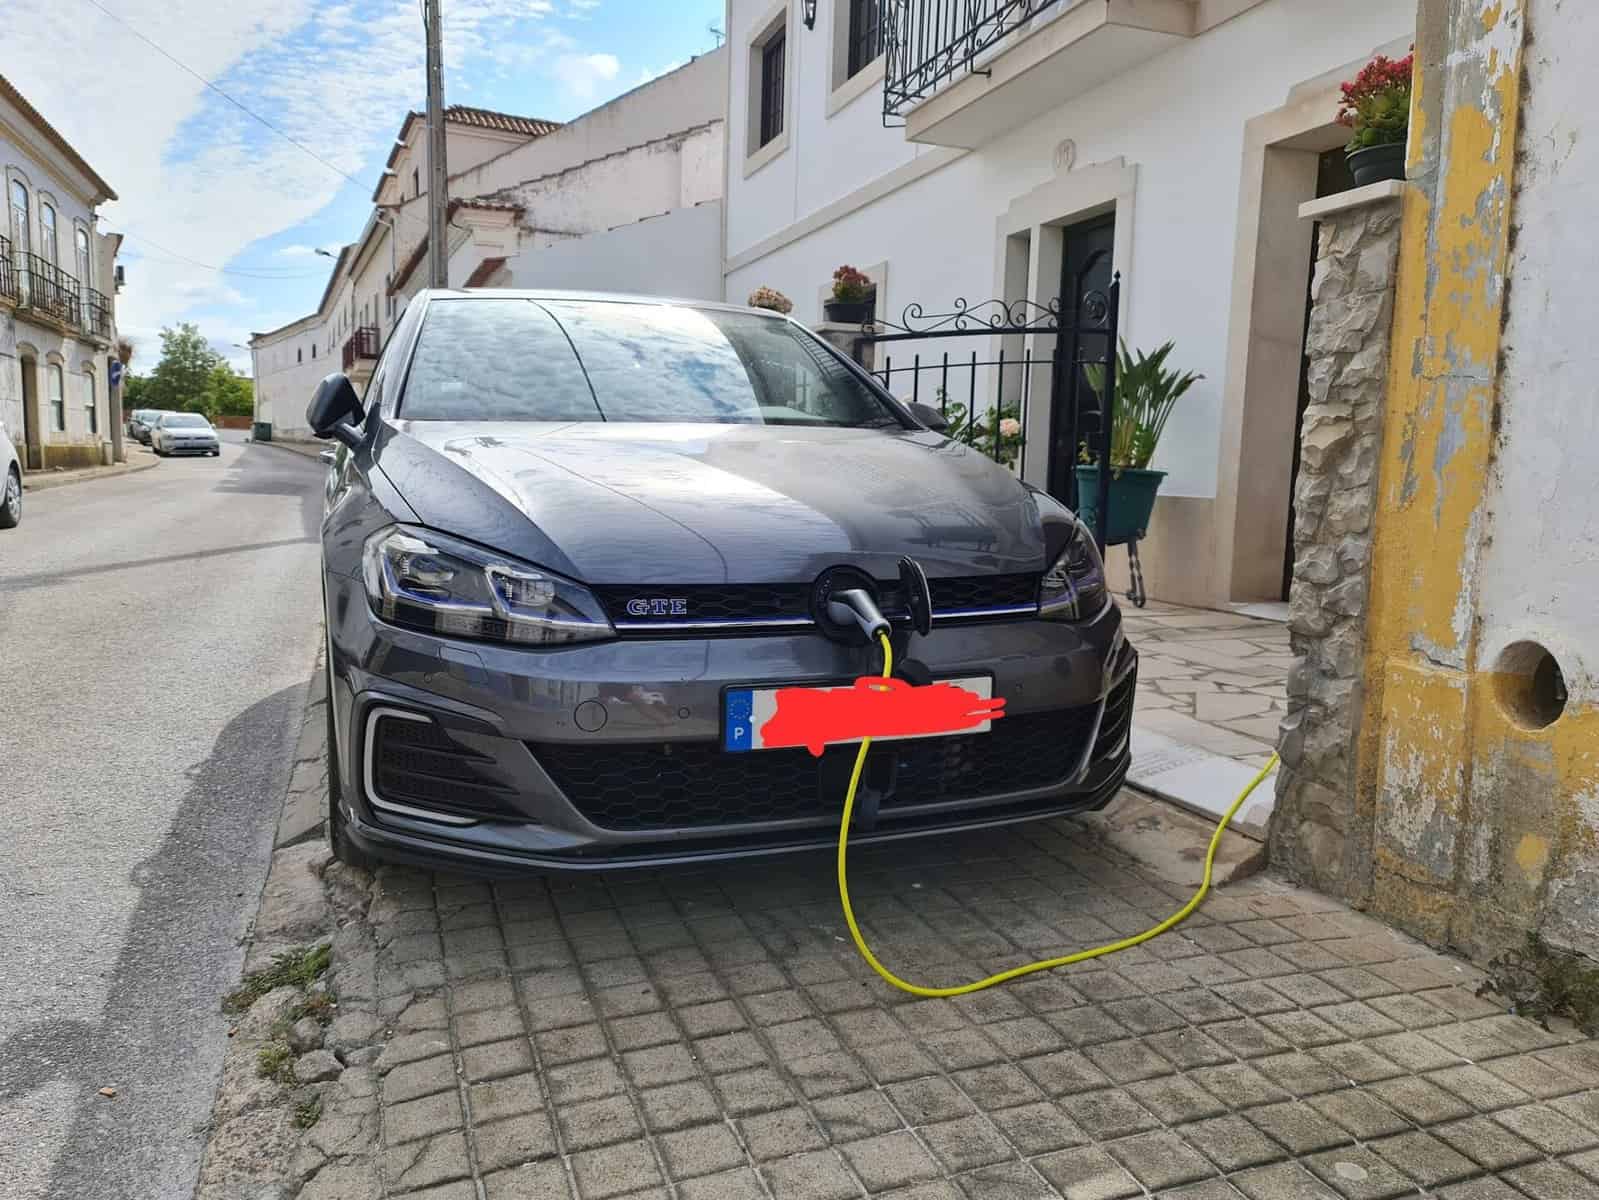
<point x="1485" y="811"/>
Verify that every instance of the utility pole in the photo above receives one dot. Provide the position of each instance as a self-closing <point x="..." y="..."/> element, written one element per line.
<point x="438" y="199"/>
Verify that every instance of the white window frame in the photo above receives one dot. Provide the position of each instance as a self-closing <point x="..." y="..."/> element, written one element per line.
<point x="20" y="222"/>
<point x="55" y="395"/>
<point x="843" y="88"/>
<point x="777" y="20"/>
<point x="49" y="235"/>
<point x="91" y="406"/>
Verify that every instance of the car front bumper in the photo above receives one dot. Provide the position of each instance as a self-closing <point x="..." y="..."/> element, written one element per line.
<point x="608" y="755"/>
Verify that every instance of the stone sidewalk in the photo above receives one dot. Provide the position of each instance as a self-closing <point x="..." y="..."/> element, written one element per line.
<point x="1212" y="689"/>
<point x="712" y="1035"/>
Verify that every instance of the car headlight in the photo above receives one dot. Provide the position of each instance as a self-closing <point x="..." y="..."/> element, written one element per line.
<point x="424" y="580"/>
<point x="1074" y="586"/>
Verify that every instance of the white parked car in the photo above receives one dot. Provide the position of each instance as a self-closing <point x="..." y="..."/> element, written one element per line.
<point x="10" y="482"/>
<point x="184" y="433"/>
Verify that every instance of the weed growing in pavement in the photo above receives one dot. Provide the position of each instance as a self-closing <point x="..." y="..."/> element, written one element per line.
<point x="322" y="1007"/>
<point x="275" y="1061"/>
<point x="293" y="968"/>
<point x="308" y="1113"/>
<point x="1541" y="982"/>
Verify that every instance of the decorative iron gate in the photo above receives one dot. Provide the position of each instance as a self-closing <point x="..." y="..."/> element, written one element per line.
<point x="987" y="395"/>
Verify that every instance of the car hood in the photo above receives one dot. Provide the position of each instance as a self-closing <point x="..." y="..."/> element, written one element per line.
<point x="699" y="503"/>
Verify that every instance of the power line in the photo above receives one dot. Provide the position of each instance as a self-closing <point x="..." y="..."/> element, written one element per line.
<point x="252" y="273"/>
<point x="249" y="112"/>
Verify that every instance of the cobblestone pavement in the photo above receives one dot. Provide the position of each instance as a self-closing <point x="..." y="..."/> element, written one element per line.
<point x="1215" y="680"/>
<point x="712" y="1036"/>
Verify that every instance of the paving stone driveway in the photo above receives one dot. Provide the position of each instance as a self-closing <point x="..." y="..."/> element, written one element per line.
<point x="712" y="1036"/>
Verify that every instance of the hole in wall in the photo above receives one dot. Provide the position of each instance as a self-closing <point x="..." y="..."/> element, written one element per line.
<point x="1529" y="684"/>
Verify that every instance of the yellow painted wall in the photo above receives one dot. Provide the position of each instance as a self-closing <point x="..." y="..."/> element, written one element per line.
<point x="1478" y="816"/>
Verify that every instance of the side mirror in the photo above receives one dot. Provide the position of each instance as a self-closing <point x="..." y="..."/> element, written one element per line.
<point x="929" y="416"/>
<point x="334" y="410"/>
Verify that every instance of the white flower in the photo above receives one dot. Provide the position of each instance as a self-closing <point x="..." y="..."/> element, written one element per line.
<point x="1009" y="427"/>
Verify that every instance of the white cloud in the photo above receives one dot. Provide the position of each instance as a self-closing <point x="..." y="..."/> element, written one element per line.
<point x="582" y="74"/>
<point x="203" y="180"/>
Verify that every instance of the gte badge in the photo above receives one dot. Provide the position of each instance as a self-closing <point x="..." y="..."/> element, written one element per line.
<point x="658" y="606"/>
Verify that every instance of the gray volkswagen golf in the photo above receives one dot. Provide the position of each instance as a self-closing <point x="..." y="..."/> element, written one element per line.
<point x="575" y="545"/>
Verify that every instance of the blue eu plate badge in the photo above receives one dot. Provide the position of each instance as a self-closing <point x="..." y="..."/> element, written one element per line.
<point x="738" y="727"/>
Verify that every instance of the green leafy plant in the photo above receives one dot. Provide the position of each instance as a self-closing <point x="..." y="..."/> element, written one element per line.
<point x="308" y="1112"/>
<point x="1146" y="392"/>
<point x="979" y="432"/>
<point x="275" y="1061"/>
<point x="851" y="286"/>
<point x="1376" y="103"/>
<point x="297" y="968"/>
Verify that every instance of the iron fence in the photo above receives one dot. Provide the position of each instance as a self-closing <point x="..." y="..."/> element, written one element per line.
<point x="988" y="396"/>
<point x="928" y="43"/>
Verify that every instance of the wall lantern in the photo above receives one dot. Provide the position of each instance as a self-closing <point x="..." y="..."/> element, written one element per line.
<point x="810" y="14"/>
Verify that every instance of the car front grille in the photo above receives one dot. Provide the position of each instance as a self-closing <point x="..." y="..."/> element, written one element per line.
<point x="736" y="604"/>
<point x="417" y="764"/>
<point x="686" y="784"/>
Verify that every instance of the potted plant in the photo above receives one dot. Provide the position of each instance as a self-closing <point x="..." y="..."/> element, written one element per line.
<point x="1001" y="442"/>
<point x="1146" y="392"/>
<point x="1376" y="106"/>
<point x="854" y="297"/>
<point x="765" y="297"/>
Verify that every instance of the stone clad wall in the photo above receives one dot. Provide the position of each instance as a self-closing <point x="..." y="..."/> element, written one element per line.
<point x="1317" y="834"/>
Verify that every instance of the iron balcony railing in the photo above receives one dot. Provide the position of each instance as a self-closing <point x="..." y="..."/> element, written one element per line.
<point x="34" y="282"/>
<point x="930" y="43"/>
<point x="47" y="289"/>
<point x="10" y="288"/>
<point x="96" y="314"/>
<point x="363" y="343"/>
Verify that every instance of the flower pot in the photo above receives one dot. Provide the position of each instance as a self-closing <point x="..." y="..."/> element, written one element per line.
<point x="1132" y="500"/>
<point x="1376" y="163"/>
<point x="849" y="312"/>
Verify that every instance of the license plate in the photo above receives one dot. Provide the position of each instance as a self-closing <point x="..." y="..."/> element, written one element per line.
<point x="747" y="714"/>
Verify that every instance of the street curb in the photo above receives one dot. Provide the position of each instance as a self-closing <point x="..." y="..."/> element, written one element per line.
<point x="311" y="450"/>
<point x="42" y="482"/>
<point x="309" y="1127"/>
<point x="1170" y="841"/>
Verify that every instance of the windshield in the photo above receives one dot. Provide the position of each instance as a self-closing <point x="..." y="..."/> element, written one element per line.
<point x="185" y="421"/>
<point x="507" y="359"/>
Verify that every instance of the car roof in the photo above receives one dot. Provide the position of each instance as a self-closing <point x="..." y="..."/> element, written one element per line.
<point x="431" y="294"/>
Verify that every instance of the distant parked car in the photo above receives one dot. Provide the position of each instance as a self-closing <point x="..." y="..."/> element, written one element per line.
<point x="184" y="433"/>
<point x="10" y="482"/>
<point x="140" y="423"/>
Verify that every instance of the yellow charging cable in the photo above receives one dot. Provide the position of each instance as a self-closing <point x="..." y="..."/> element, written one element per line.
<point x="1047" y="964"/>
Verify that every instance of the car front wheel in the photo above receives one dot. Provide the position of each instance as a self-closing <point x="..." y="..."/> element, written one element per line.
<point x="11" y="500"/>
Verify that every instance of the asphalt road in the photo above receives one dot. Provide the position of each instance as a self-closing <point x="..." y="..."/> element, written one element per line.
<point x="156" y="633"/>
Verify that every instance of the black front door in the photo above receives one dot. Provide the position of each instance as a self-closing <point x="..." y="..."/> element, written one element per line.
<point x="1085" y="279"/>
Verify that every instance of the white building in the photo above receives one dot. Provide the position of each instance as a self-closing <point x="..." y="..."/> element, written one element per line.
<point x="57" y="272"/>
<point x="624" y="198"/>
<point x="1023" y="150"/>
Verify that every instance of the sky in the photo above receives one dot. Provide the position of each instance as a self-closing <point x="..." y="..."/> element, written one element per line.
<point x="222" y="215"/>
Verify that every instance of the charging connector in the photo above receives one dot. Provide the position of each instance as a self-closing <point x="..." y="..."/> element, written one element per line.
<point x="855" y="606"/>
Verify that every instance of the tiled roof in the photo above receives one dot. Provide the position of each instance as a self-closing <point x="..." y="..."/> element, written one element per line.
<point x="487" y="118"/>
<point x="461" y="114"/>
<point x="10" y="93"/>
